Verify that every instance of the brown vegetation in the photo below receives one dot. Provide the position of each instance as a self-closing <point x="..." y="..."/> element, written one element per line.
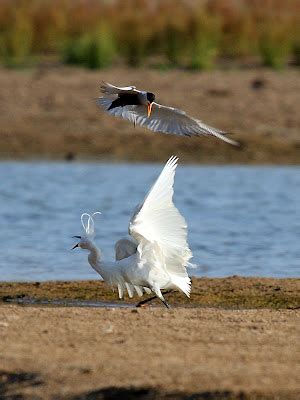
<point x="188" y="33"/>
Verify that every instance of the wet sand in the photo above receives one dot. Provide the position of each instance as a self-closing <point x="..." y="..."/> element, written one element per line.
<point x="218" y="345"/>
<point x="51" y="113"/>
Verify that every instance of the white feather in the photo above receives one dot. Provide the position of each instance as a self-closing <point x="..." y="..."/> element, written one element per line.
<point x="161" y="231"/>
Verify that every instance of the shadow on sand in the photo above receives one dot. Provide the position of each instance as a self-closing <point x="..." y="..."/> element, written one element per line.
<point x="14" y="386"/>
<point x="115" y="393"/>
<point x="13" y="383"/>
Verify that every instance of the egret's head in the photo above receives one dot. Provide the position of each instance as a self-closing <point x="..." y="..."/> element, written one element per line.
<point x="150" y="100"/>
<point x="86" y="240"/>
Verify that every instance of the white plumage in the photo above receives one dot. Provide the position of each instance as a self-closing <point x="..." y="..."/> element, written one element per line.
<point x="161" y="119"/>
<point x="157" y="254"/>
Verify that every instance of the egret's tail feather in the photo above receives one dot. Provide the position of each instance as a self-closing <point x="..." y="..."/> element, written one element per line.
<point x="139" y="290"/>
<point x="183" y="284"/>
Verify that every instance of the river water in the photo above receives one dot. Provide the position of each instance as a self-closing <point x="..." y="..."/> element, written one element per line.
<point x="242" y="220"/>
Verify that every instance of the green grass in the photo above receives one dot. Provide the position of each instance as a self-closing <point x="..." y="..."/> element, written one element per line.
<point x="16" y="40"/>
<point x="93" y="50"/>
<point x="275" y="50"/>
<point x="205" y="37"/>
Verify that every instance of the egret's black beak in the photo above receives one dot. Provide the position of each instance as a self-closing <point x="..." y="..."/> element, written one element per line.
<point x="149" y="108"/>
<point x="76" y="245"/>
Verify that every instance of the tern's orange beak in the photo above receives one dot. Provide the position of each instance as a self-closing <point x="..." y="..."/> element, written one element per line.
<point x="149" y="109"/>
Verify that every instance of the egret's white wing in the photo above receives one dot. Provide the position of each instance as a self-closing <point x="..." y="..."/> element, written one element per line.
<point x="161" y="230"/>
<point x="110" y="89"/>
<point x="125" y="248"/>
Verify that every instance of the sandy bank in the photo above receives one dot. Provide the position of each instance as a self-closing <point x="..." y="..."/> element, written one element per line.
<point x="78" y="353"/>
<point x="229" y="352"/>
<point x="213" y="346"/>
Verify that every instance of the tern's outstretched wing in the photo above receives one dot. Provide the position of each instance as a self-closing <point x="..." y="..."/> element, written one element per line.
<point x="161" y="231"/>
<point x="110" y="89"/>
<point x="175" y="121"/>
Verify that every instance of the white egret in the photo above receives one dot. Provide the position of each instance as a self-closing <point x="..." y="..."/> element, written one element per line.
<point x="139" y="107"/>
<point x="157" y="255"/>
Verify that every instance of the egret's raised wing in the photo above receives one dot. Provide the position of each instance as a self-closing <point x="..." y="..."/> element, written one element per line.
<point x="110" y="89"/>
<point x="161" y="230"/>
<point x="125" y="248"/>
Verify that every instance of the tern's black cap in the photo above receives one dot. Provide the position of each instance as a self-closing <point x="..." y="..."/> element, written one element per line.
<point x="150" y="97"/>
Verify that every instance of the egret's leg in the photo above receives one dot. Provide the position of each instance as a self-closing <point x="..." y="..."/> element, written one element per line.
<point x="141" y="303"/>
<point x="161" y="297"/>
<point x="165" y="303"/>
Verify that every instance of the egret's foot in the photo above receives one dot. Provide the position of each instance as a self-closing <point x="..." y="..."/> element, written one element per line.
<point x="143" y="302"/>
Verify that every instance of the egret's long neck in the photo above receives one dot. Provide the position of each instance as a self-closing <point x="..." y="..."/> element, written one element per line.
<point x="94" y="256"/>
<point x="96" y="262"/>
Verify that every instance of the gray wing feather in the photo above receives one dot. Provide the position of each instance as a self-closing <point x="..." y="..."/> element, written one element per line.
<point x="174" y="121"/>
<point x="125" y="248"/>
<point x="110" y="89"/>
<point x="127" y="112"/>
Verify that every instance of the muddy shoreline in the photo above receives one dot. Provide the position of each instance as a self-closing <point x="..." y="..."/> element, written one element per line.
<point x="50" y="113"/>
<point x="232" y="293"/>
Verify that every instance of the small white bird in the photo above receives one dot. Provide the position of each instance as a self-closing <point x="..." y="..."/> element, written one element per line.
<point x="139" y="107"/>
<point x="157" y="255"/>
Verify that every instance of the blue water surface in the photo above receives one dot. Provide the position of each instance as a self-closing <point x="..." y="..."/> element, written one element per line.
<point x="242" y="220"/>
